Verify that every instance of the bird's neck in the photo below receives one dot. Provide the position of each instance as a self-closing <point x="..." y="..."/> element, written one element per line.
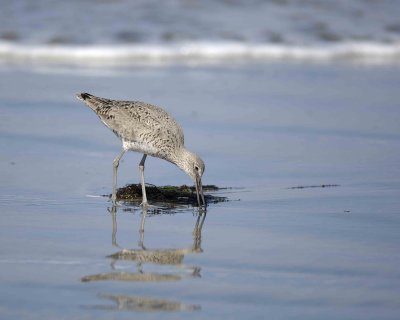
<point x="181" y="159"/>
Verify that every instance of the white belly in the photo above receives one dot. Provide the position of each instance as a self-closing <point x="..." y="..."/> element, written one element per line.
<point x="139" y="147"/>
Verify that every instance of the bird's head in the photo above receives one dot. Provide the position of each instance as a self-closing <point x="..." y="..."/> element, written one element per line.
<point x="194" y="167"/>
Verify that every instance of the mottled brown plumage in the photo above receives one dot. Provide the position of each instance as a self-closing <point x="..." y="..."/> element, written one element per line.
<point x="148" y="129"/>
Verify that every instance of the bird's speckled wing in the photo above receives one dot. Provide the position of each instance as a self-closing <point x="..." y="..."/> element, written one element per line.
<point x="138" y="122"/>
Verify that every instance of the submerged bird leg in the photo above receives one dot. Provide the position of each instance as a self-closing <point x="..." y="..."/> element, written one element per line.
<point x="114" y="226"/>
<point x="141" y="169"/>
<point x="141" y="229"/>
<point x="115" y="171"/>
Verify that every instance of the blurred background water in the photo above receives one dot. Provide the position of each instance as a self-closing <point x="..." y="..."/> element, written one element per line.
<point x="131" y="31"/>
<point x="278" y="97"/>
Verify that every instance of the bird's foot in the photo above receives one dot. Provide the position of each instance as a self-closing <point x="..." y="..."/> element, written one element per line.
<point x="201" y="210"/>
<point x="115" y="206"/>
<point x="113" y="209"/>
<point x="114" y="200"/>
<point x="144" y="205"/>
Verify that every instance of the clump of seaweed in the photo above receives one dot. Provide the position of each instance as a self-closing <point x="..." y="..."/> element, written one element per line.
<point x="316" y="186"/>
<point x="175" y="195"/>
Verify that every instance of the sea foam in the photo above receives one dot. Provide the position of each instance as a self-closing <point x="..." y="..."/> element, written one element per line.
<point x="198" y="52"/>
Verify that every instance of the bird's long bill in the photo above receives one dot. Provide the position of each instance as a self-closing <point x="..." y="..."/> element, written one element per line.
<point x="199" y="193"/>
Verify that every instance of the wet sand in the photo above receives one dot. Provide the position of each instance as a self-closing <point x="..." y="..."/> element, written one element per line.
<point x="280" y="252"/>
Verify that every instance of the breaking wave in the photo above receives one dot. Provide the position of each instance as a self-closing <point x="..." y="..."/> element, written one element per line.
<point x="200" y="52"/>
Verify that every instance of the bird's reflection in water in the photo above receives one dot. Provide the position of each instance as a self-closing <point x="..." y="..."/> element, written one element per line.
<point x="154" y="257"/>
<point x="133" y="303"/>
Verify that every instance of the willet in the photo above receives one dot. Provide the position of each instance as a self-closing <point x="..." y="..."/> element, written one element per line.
<point x="150" y="130"/>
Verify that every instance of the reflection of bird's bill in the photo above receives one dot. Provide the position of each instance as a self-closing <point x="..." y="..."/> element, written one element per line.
<point x="199" y="192"/>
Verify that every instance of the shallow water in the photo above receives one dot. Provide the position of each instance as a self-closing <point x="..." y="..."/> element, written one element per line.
<point x="276" y="252"/>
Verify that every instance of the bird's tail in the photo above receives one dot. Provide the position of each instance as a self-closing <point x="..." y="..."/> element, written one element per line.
<point x="92" y="101"/>
<point x="84" y="96"/>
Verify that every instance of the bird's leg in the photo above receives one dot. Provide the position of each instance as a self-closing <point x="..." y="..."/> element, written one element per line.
<point x="113" y="212"/>
<point x="141" y="169"/>
<point x="115" y="171"/>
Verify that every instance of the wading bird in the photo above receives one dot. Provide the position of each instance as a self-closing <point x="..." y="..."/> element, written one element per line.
<point x="150" y="130"/>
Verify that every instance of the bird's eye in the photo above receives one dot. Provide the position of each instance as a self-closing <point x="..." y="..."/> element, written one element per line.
<point x="196" y="168"/>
